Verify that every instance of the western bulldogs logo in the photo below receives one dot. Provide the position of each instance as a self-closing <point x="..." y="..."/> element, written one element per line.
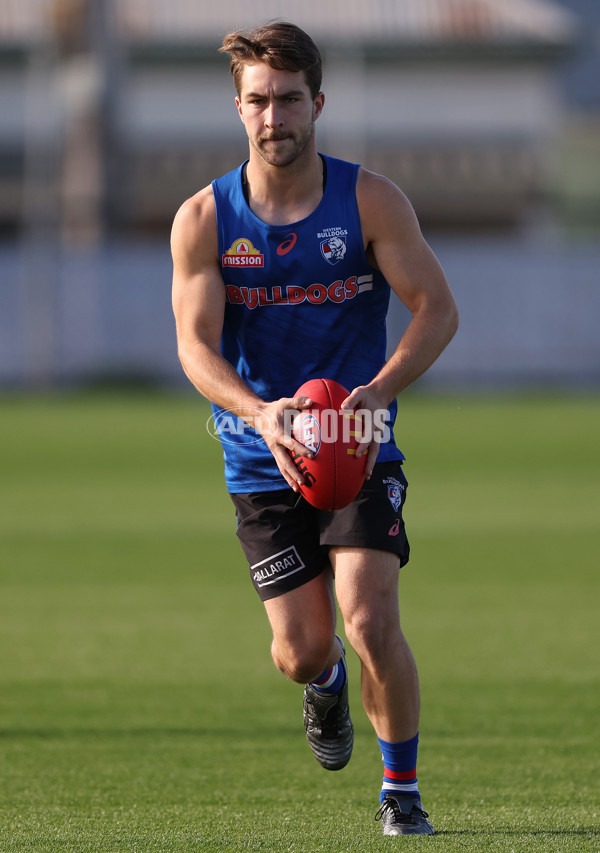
<point x="333" y="249"/>
<point x="333" y="244"/>
<point x="395" y="490"/>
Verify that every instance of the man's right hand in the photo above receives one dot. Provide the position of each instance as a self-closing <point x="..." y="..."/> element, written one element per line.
<point x="275" y="427"/>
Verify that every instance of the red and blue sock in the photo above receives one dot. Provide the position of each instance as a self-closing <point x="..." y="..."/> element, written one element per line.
<point x="400" y="768"/>
<point x="331" y="679"/>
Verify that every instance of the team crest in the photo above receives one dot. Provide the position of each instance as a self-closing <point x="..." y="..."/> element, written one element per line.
<point x="242" y="254"/>
<point x="333" y="244"/>
<point x="394" y="492"/>
<point x="333" y="250"/>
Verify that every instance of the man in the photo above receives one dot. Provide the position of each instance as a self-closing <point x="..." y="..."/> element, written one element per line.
<point x="282" y="273"/>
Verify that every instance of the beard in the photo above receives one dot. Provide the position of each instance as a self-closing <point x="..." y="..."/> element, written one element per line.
<point x="282" y="149"/>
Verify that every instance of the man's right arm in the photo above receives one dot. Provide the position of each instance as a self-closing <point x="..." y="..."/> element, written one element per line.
<point x="199" y="308"/>
<point x="199" y="305"/>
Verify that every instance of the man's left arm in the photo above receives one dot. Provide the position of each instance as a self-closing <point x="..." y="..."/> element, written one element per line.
<point x="396" y="247"/>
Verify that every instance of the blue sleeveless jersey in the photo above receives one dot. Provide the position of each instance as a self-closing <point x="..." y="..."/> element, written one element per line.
<point x="303" y="303"/>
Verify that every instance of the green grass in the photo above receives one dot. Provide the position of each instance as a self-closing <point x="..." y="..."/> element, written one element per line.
<point x="139" y="709"/>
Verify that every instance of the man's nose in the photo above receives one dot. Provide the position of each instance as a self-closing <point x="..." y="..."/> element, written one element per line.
<point x="273" y="115"/>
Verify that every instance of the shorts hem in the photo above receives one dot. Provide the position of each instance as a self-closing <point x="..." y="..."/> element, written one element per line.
<point x="276" y="592"/>
<point x="386" y="547"/>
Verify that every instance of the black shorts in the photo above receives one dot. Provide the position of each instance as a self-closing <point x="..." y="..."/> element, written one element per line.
<point x="286" y="540"/>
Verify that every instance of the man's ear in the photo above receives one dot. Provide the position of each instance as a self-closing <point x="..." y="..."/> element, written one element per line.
<point x="318" y="105"/>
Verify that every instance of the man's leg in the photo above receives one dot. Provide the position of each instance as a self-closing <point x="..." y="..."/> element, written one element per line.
<point x="306" y="649"/>
<point x="366" y="583"/>
<point x="303" y="625"/>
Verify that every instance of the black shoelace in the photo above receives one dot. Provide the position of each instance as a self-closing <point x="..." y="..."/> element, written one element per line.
<point x="390" y="804"/>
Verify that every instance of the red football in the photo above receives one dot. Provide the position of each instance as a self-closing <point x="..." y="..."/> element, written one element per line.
<point x="334" y="476"/>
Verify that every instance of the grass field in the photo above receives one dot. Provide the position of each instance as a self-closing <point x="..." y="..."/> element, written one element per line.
<point x="139" y="709"/>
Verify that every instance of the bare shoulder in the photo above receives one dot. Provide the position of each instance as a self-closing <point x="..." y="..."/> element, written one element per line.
<point x="394" y="242"/>
<point x="382" y="205"/>
<point x="194" y="230"/>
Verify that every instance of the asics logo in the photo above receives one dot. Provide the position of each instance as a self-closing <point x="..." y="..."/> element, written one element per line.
<point x="288" y="244"/>
<point x="395" y="528"/>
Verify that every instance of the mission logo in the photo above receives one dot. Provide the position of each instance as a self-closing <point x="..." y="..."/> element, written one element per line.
<point x="242" y="254"/>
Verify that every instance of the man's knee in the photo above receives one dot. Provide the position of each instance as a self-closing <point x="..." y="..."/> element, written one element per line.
<point x="302" y="659"/>
<point x="373" y="634"/>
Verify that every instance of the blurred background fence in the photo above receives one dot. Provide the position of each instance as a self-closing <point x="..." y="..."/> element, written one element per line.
<point x="486" y="112"/>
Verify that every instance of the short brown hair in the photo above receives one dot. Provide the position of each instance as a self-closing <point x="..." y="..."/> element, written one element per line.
<point x="281" y="45"/>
